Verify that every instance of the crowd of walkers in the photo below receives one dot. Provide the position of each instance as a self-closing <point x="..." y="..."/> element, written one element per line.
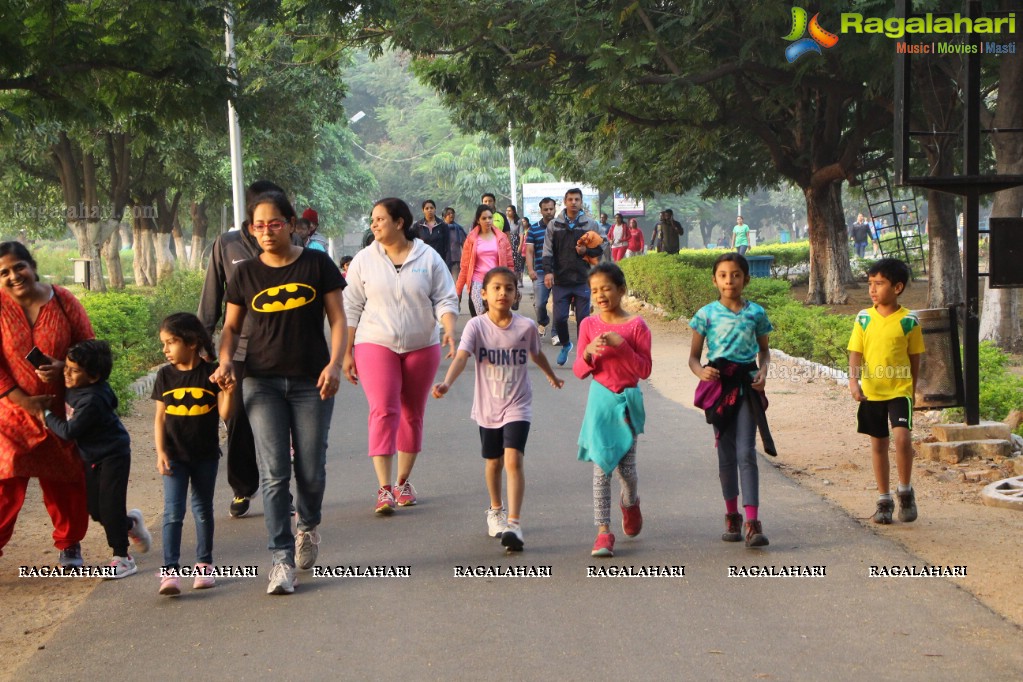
<point x="390" y="314"/>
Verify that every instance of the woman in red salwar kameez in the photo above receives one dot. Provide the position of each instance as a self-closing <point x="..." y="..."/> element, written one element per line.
<point x="33" y="314"/>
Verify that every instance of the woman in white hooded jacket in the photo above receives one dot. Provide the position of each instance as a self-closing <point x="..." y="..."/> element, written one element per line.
<point x="398" y="290"/>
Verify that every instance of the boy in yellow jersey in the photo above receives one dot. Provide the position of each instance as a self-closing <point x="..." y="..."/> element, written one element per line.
<point x="884" y="353"/>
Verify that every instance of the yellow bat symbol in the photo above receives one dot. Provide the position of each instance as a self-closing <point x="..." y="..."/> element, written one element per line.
<point x="284" y="297"/>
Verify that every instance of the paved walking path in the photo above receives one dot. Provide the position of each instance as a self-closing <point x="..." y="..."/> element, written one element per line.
<point x="434" y="626"/>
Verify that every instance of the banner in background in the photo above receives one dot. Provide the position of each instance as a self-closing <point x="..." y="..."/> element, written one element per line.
<point x="627" y="206"/>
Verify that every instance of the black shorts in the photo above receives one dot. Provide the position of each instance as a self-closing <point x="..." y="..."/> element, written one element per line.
<point x="496" y="441"/>
<point x="874" y="415"/>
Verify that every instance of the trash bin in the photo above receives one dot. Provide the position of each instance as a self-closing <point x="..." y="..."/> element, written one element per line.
<point x="785" y="236"/>
<point x="760" y="266"/>
<point x="940" y="383"/>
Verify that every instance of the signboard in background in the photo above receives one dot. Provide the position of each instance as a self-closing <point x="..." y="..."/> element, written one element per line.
<point x="533" y="192"/>
<point x="627" y="206"/>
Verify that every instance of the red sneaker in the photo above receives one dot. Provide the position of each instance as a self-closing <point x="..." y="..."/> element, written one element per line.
<point x="385" y="501"/>
<point x="604" y="545"/>
<point x="404" y="494"/>
<point x="632" y="520"/>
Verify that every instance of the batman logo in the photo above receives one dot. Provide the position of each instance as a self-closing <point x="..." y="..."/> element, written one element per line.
<point x="284" y="297"/>
<point x="189" y="402"/>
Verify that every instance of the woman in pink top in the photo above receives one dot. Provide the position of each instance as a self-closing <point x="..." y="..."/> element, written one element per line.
<point x="614" y="348"/>
<point x="636" y="241"/>
<point x="485" y="248"/>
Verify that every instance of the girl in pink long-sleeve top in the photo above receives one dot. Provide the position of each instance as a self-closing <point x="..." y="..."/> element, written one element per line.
<point x="614" y="347"/>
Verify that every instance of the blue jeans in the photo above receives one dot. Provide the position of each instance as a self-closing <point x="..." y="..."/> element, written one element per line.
<point x="203" y="476"/>
<point x="287" y="412"/>
<point x="742" y="249"/>
<point x="565" y="296"/>
<point x="540" y="295"/>
<point x="861" y="249"/>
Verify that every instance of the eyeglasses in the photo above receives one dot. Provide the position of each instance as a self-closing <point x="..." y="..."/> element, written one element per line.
<point x="272" y="226"/>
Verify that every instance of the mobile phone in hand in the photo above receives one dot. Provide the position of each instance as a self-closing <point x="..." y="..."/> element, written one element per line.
<point x="37" y="357"/>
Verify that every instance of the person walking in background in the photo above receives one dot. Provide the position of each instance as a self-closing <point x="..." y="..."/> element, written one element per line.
<point x="229" y="250"/>
<point x="311" y="238"/>
<point x="636" y="242"/>
<point x="291" y="376"/>
<point x="534" y="265"/>
<point x="731" y="390"/>
<point x="618" y="235"/>
<point x="498" y="218"/>
<point x="399" y="290"/>
<point x="38" y="323"/>
<point x="186" y="432"/>
<point x="104" y="446"/>
<point x="565" y="267"/>
<point x="456" y="239"/>
<point x="500" y="340"/>
<point x="740" y="237"/>
<point x="433" y="232"/>
<point x="614" y="348"/>
<point x="859" y="231"/>
<point x="485" y="248"/>
<point x="671" y="232"/>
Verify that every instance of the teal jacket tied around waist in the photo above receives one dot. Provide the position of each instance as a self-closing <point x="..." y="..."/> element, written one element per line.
<point x="606" y="435"/>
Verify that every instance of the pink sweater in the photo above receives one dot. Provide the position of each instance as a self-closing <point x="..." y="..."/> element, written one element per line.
<point x="617" y="368"/>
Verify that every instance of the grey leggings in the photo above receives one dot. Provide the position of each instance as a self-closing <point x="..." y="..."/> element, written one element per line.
<point x="737" y="457"/>
<point x="626" y="471"/>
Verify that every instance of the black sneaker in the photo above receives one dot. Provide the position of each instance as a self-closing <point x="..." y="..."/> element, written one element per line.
<point x="755" y="535"/>
<point x="907" y="506"/>
<point x="71" y="556"/>
<point x="733" y="528"/>
<point x="239" y="507"/>
<point x="884" y="511"/>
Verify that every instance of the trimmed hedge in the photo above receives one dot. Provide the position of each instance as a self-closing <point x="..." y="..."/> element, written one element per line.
<point x="129" y="321"/>
<point x="786" y="256"/>
<point x="681" y="289"/>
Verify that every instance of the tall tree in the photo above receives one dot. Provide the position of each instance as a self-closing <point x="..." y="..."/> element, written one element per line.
<point x="665" y="95"/>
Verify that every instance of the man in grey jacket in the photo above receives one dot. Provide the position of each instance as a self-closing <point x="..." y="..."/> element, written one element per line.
<point x="565" y="269"/>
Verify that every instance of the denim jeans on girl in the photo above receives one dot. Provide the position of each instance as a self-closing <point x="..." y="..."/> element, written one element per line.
<point x="203" y="476"/>
<point x="287" y="412"/>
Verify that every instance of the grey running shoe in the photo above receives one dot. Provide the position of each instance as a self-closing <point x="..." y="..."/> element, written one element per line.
<point x="306" y="548"/>
<point x="497" y="522"/>
<point x="907" y="506"/>
<point x="282" y="579"/>
<point x="884" y="511"/>
<point x="138" y="532"/>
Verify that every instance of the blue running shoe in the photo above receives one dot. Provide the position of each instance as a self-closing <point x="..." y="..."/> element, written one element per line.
<point x="563" y="355"/>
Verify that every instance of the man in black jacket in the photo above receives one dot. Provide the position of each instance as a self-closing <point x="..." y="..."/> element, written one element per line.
<point x="230" y="249"/>
<point x="565" y="269"/>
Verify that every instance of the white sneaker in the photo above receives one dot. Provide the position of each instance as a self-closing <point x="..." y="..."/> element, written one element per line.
<point x="123" y="567"/>
<point x="138" y="533"/>
<point x="306" y="549"/>
<point x="497" y="522"/>
<point x="512" y="539"/>
<point x="282" y="579"/>
<point x="541" y="330"/>
<point x="555" y="340"/>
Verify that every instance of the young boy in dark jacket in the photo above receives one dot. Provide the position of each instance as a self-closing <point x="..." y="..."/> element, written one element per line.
<point x="105" y="448"/>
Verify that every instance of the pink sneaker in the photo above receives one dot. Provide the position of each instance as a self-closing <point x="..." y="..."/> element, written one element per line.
<point x="204" y="578"/>
<point x="385" y="501"/>
<point x="604" y="545"/>
<point x="632" y="520"/>
<point x="170" y="586"/>
<point x="405" y="494"/>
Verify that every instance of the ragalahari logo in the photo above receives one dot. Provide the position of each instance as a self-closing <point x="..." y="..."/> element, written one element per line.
<point x="818" y="36"/>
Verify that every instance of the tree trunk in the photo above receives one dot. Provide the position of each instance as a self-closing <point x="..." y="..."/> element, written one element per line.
<point x="1001" y="319"/>
<point x="707" y="231"/>
<point x="164" y="259"/>
<point x="200" y="227"/>
<point x="180" y="252"/>
<point x="944" y="264"/>
<point x="143" y="267"/>
<point x="166" y="216"/>
<point x="112" y="257"/>
<point x="829" y="245"/>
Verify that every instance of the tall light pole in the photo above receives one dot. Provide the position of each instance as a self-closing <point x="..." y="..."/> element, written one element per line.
<point x="513" y="174"/>
<point x="235" y="133"/>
